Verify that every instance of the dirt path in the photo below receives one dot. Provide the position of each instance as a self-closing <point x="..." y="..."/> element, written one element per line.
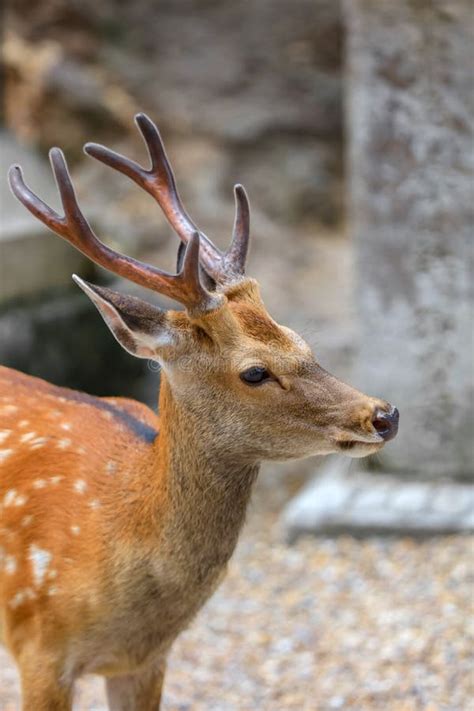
<point x="324" y="624"/>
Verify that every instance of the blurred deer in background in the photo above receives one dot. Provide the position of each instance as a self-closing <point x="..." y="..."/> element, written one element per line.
<point x="116" y="524"/>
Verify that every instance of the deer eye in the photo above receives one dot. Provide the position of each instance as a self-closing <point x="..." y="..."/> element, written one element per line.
<point x="255" y="375"/>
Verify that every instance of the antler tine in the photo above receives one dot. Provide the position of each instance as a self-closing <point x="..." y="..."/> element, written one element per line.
<point x="160" y="183"/>
<point x="190" y="280"/>
<point x="32" y="202"/>
<point x="236" y="255"/>
<point x="184" y="287"/>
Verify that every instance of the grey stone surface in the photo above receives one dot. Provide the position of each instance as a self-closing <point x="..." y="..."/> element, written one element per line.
<point x="63" y="339"/>
<point x="32" y="259"/>
<point x="258" y="81"/>
<point x="323" y="498"/>
<point x="364" y="503"/>
<point x="410" y="121"/>
<point x="411" y="165"/>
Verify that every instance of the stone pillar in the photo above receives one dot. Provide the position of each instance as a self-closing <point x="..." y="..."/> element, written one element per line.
<point x="411" y="153"/>
<point x="411" y="158"/>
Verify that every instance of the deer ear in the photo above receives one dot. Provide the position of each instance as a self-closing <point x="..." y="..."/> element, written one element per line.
<point x="142" y="329"/>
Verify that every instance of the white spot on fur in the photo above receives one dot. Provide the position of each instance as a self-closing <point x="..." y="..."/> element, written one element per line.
<point x="22" y="596"/>
<point x="64" y="443"/>
<point x="94" y="504"/>
<point x="75" y="530"/>
<point x="56" y="479"/>
<point x="8" y="409"/>
<point x="39" y="483"/>
<point x="26" y="520"/>
<point x="111" y="467"/>
<point x="10" y="565"/>
<point x="65" y="426"/>
<point x="38" y="442"/>
<point x="23" y="423"/>
<point x="9" y="497"/>
<point x="17" y="599"/>
<point x="28" y="436"/>
<point x="40" y="559"/>
<point x="4" y="454"/>
<point x="80" y="486"/>
<point x="4" y="435"/>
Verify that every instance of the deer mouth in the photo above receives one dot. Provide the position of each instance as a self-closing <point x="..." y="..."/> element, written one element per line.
<point x="359" y="448"/>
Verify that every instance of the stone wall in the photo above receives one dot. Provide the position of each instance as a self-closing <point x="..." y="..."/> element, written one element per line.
<point x="411" y="160"/>
<point x="254" y="87"/>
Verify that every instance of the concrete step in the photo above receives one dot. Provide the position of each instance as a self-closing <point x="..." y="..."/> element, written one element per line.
<point x="339" y="500"/>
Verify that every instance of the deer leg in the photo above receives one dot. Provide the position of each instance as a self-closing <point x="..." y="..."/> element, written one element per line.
<point x="42" y="687"/>
<point x="140" y="691"/>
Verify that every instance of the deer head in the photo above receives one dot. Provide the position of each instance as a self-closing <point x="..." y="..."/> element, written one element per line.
<point x="252" y="385"/>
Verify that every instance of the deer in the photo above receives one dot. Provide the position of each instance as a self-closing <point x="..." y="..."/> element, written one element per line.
<point x="117" y="524"/>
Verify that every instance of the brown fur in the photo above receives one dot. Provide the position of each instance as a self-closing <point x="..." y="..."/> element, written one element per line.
<point x="136" y="526"/>
<point x="116" y="526"/>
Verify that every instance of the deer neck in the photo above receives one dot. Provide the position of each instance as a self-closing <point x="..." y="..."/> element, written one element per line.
<point x="207" y="491"/>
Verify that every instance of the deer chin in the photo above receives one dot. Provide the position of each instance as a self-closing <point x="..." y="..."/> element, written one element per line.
<point x="356" y="449"/>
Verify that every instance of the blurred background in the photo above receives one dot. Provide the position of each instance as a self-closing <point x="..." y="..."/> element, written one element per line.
<point x="350" y="125"/>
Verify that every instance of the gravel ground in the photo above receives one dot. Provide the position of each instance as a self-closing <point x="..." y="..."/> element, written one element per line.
<point x="325" y="624"/>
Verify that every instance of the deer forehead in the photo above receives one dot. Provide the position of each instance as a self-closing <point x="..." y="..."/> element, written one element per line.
<point x="240" y="325"/>
<point x="264" y="342"/>
<point x="256" y="323"/>
<point x="237" y="323"/>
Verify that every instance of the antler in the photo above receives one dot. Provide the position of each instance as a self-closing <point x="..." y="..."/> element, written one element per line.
<point x="185" y="287"/>
<point x="160" y="183"/>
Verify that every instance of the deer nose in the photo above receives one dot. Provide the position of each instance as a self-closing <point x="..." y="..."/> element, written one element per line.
<point x="386" y="423"/>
